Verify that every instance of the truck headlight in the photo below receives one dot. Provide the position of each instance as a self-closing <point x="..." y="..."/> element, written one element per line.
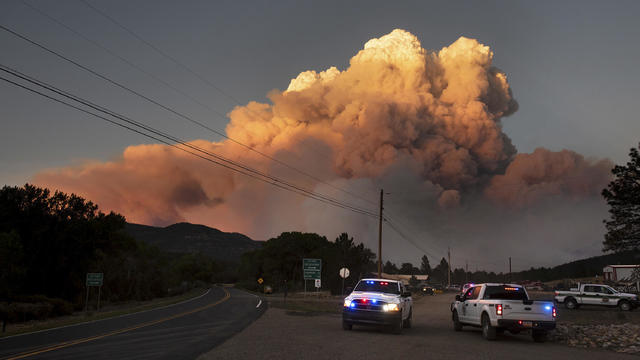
<point x="390" y="307"/>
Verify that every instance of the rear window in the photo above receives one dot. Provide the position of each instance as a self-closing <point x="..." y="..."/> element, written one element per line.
<point x="387" y="287"/>
<point x="505" y="293"/>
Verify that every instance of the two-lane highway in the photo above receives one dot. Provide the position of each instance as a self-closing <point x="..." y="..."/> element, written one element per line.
<point x="180" y="331"/>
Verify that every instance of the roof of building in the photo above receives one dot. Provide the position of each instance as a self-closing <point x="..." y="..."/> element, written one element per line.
<point x="622" y="266"/>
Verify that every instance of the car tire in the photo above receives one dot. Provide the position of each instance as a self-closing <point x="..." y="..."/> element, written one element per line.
<point x="488" y="331"/>
<point x="571" y="304"/>
<point x="539" y="336"/>
<point x="624" y="305"/>
<point x="397" y="327"/>
<point x="407" y="323"/>
<point x="457" y="325"/>
<point x="346" y="325"/>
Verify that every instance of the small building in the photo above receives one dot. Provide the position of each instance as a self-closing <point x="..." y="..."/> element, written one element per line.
<point x="404" y="278"/>
<point x="617" y="273"/>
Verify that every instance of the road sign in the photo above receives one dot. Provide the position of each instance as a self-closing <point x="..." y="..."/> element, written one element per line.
<point x="95" y="279"/>
<point x="318" y="282"/>
<point x="260" y="281"/>
<point x="311" y="268"/>
<point x="344" y="273"/>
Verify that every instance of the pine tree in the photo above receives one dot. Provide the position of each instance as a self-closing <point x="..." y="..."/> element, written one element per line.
<point x="623" y="196"/>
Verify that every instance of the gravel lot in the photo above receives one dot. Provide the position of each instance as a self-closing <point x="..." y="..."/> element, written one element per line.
<point x="284" y="334"/>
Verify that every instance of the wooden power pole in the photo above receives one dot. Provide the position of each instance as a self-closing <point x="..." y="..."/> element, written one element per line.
<point x="449" y="268"/>
<point x="380" y="239"/>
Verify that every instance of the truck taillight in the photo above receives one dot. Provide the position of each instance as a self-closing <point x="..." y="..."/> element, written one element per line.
<point x="553" y="312"/>
<point x="499" y="309"/>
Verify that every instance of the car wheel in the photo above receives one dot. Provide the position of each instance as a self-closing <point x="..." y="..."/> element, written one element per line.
<point x="488" y="331"/>
<point x="346" y="325"/>
<point x="539" y="335"/>
<point x="571" y="304"/>
<point x="624" y="305"/>
<point x="397" y="327"/>
<point x="407" y="322"/>
<point x="457" y="325"/>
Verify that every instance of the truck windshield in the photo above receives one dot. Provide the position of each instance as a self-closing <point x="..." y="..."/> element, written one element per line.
<point x="505" y="293"/>
<point x="378" y="286"/>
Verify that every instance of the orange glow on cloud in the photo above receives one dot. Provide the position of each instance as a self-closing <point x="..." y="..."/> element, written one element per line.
<point x="397" y="110"/>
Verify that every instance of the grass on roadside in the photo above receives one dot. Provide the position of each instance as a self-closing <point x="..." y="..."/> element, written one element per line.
<point x="108" y="312"/>
<point x="329" y="305"/>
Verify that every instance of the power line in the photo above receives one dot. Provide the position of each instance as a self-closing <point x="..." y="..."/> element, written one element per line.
<point x="156" y="134"/>
<point x="209" y="83"/>
<point x="407" y="238"/>
<point x="185" y="117"/>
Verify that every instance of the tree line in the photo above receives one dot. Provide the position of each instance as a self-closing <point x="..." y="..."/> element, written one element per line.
<point x="50" y="241"/>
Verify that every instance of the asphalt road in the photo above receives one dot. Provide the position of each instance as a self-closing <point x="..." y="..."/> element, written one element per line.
<point x="279" y="334"/>
<point x="180" y="331"/>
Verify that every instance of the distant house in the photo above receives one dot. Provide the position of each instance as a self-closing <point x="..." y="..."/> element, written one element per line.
<point x="618" y="272"/>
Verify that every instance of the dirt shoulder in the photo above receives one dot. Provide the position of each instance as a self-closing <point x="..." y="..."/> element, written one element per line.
<point x="292" y="334"/>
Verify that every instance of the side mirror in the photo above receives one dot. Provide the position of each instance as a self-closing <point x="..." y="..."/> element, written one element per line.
<point x="458" y="298"/>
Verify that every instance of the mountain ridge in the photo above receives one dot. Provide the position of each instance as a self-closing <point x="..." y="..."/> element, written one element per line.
<point x="185" y="237"/>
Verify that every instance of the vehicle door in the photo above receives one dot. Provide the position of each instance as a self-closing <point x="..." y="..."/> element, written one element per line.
<point x="607" y="296"/>
<point x="403" y="300"/>
<point x="591" y="295"/>
<point x="473" y="311"/>
<point x="466" y="305"/>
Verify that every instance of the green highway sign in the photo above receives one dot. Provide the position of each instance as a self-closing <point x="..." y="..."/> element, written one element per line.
<point x="311" y="268"/>
<point x="95" y="279"/>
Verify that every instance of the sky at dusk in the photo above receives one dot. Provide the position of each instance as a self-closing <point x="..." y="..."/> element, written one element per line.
<point x="570" y="66"/>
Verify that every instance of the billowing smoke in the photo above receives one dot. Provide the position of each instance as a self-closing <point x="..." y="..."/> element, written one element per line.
<point x="424" y="125"/>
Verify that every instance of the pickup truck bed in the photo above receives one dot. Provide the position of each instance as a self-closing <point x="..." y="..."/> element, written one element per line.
<point x="499" y="307"/>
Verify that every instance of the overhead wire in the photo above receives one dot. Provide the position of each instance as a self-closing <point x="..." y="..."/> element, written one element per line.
<point x="212" y="85"/>
<point x="229" y="164"/>
<point x="167" y="108"/>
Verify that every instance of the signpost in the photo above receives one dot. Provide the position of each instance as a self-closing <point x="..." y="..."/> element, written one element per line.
<point x="311" y="270"/>
<point x="318" y="283"/>
<point x="94" y="279"/>
<point x="344" y="273"/>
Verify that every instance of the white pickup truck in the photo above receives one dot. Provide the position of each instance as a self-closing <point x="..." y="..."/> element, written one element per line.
<point x="500" y="307"/>
<point x="378" y="302"/>
<point x="596" y="294"/>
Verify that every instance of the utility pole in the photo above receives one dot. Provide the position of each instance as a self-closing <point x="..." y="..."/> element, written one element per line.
<point x="380" y="239"/>
<point x="466" y="271"/>
<point x="510" y="280"/>
<point x="449" y="267"/>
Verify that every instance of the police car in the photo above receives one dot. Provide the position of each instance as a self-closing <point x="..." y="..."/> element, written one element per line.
<point x="379" y="302"/>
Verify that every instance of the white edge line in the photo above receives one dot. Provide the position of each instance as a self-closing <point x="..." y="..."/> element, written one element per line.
<point x="259" y="303"/>
<point x="109" y="318"/>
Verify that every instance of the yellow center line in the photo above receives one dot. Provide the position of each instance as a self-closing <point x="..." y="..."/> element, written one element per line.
<point x="226" y="297"/>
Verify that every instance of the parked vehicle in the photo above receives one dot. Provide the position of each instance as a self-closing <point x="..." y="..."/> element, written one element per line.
<point x="500" y="307"/>
<point x="428" y="290"/>
<point x="378" y="302"/>
<point x="596" y="294"/>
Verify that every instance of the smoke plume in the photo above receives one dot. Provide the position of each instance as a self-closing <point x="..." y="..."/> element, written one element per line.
<point x="427" y="126"/>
